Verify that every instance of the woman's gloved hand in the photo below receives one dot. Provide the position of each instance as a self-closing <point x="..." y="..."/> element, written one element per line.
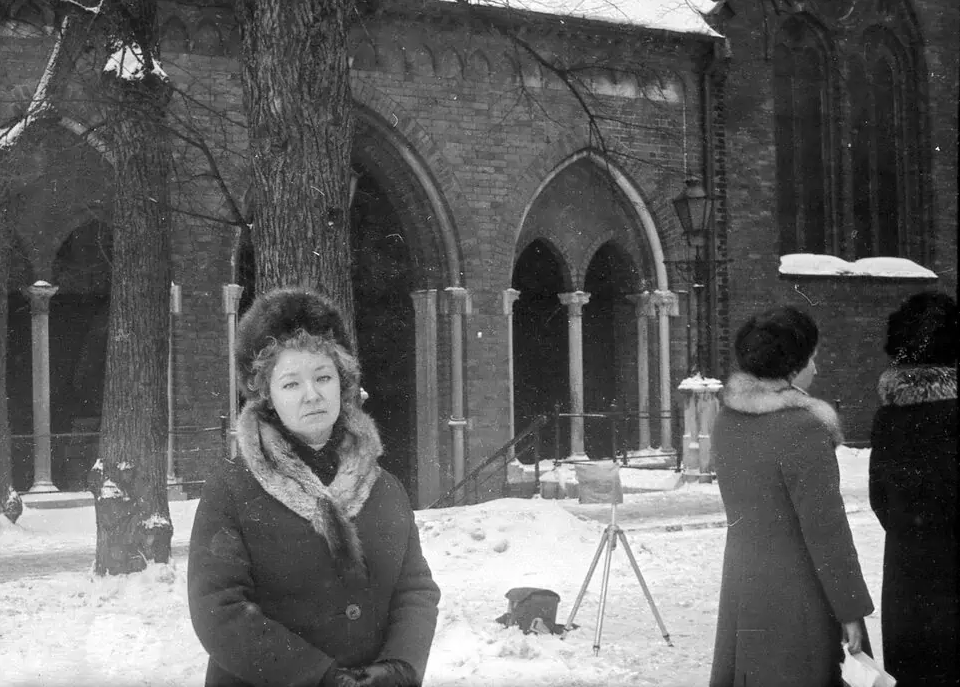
<point x="389" y="673"/>
<point x="342" y="677"/>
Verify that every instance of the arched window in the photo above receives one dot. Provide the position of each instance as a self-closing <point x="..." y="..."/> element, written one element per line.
<point x="886" y="166"/>
<point x="802" y="134"/>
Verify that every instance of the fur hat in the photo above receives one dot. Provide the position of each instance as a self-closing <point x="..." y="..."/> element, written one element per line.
<point x="278" y="315"/>
<point x="923" y="330"/>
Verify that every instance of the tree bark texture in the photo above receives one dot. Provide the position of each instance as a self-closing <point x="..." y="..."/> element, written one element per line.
<point x="10" y="504"/>
<point x="296" y="86"/>
<point x="129" y="479"/>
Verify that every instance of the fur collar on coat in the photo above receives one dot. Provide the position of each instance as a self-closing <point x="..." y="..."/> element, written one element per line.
<point x="330" y="509"/>
<point x="748" y="394"/>
<point x="909" y="385"/>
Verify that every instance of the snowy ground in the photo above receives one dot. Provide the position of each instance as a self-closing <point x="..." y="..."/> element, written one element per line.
<point x="70" y="628"/>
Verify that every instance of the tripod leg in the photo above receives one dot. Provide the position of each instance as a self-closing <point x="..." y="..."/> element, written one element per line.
<point x="586" y="582"/>
<point x="611" y="538"/>
<point x="643" y="585"/>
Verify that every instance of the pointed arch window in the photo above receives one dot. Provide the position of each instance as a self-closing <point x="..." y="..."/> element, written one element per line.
<point x="802" y="134"/>
<point x="886" y="165"/>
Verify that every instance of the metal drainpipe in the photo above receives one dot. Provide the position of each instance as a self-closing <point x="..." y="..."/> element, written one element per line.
<point x="709" y="173"/>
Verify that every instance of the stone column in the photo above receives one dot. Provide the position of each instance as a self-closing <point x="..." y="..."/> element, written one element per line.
<point x="575" y="302"/>
<point x="510" y="297"/>
<point x="645" y="310"/>
<point x="667" y="306"/>
<point x="458" y="303"/>
<point x="231" y="302"/>
<point x="428" y="414"/>
<point x="39" y="295"/>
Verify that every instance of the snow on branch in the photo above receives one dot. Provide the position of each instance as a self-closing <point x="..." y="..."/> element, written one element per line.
<point x="91" y="10"/>
<point x="812" y="264"/>
<point x="40" y="103"/>
<point x="128" y="63"/>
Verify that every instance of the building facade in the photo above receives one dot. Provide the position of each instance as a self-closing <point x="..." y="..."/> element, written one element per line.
<point x="515" y="244"/>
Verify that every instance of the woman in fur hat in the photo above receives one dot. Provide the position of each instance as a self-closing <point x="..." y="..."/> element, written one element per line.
<point x="305" y="561"/>
<point x="792" y="588"/>
<point x="913" y="491"/>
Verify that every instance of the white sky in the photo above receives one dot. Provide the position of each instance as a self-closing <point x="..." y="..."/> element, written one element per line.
<point x="71" y="628"/>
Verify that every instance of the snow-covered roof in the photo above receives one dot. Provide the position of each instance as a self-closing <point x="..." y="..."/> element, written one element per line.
<point x="812" y="264"/>
<point x="678" y="16"/>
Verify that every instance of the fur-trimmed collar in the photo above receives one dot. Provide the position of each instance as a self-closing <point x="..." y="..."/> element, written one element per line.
<point x="330" y="509"/>
<point x="909" y="385"/>
<point x="748" y="394"/>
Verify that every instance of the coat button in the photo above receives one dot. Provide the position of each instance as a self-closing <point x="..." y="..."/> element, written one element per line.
<point x="353" y="612"/>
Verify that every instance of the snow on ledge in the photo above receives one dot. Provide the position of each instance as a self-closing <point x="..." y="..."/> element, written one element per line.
<point x="812" y="264"/>
<point x="700" y="383"/>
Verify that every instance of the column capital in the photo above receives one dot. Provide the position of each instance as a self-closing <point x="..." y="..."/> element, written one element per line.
<point x="510" y="297"/>
<point x="231" y="298"/>
<point x="457" y="301"/>
<point x="422" y="300"/>
<point x="666" y="302"/>
<point x="643" y="302"/>
<point x="575" y="300"/>
<point x="39" y="294"/>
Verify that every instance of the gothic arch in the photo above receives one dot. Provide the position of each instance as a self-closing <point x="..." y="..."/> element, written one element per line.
<point x="630" y="191"/>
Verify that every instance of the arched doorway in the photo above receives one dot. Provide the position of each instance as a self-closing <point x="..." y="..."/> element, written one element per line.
<point x="609" y="347"/>
<point x="540" y="345"/>
<point x="382" y="283"/>
<point x="79" y="318"/>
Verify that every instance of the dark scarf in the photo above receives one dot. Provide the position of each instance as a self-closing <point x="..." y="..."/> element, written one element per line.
<point x="323" y="462"/>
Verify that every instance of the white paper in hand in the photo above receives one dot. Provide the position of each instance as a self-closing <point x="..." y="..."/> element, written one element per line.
<point x="859" y="670"/>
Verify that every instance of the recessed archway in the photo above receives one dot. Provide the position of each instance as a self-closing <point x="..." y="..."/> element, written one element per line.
<point x="609" y="347"/>
<point x="540" y="346"/>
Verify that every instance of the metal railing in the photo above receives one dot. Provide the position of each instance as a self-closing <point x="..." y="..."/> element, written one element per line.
<point x="527" y="448"/>
<point x="73" y="454"/>
<point x="528" y="442"/>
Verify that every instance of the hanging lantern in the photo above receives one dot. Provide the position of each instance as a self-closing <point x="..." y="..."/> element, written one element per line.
<point x="695" y="210"/>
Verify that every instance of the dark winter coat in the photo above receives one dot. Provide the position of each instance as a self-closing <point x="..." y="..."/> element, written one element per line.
<point x="289" y="577"/>
<point x="791" y="574"/>
<point x="913" y="491"/>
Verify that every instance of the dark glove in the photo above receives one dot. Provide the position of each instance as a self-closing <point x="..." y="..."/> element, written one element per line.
<point x="391" y="672"/>
<point x="341" y="677"/>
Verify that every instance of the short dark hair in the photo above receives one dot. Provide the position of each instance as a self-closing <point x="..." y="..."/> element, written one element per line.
<point x="923" y="330"/>
<point x="776" y="343"/>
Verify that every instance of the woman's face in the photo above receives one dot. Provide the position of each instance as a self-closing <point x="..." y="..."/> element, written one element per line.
<point x="305" y="392"/>
<point x="804" y="378"/>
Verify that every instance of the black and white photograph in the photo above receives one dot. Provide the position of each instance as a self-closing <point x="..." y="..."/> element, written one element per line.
<point x="479" y="343"/>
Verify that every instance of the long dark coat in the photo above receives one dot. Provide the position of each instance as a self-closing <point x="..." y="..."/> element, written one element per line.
<point x="790" y="570"/>
<point x="288" y="576"/>
<point x="913" y="491"/>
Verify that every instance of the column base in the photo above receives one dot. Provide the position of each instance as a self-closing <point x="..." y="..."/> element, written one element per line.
<point x="175" y="492"/>
<point x="577" y="456"/>
<point x="41" y="486"/>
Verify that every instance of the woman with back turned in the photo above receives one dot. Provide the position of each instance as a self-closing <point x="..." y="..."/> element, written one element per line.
<point x="913" y="491"/>
<point x="792" y="588"/>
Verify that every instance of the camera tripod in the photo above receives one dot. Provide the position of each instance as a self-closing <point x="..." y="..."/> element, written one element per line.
<point x="608" y="543"/>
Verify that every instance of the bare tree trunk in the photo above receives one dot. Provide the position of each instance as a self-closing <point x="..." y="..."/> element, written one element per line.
<point x="296" y="86"/>
<point x="10" y="504"/>
<point x="129" y="479"/>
